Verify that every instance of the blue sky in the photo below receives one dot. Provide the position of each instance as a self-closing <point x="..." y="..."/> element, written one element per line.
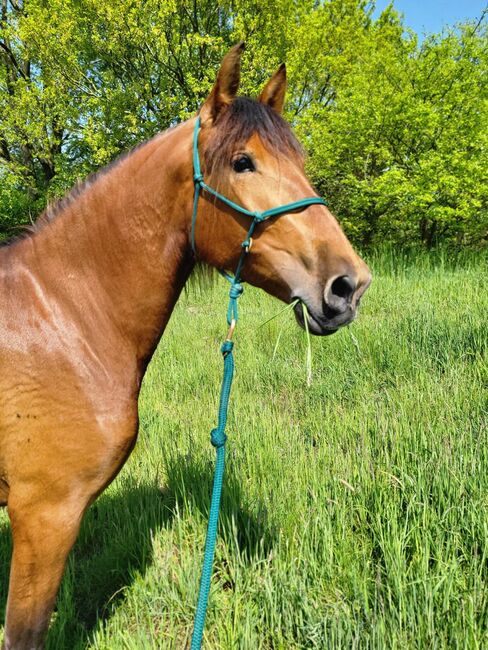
<point x="431" y="15"/>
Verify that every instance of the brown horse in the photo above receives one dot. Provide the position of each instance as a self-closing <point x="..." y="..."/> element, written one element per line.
<point x="87" y="295"/>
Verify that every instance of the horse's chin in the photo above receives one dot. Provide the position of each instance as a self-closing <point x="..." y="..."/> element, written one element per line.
<point x="315" y="325"/>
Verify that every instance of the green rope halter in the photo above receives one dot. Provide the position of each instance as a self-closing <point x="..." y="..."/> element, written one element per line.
<point x="218" y="436"/>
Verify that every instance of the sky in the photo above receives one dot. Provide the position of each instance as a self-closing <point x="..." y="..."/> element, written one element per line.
<point x="432" y="15"/>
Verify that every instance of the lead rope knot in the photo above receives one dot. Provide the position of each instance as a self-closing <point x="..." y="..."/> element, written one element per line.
<point x="217" y="438"/>
<point x="235" y="291"/>
<point x="226" y="347"/>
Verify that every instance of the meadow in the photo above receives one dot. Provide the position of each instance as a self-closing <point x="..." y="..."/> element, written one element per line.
<point x="355" y="508"/>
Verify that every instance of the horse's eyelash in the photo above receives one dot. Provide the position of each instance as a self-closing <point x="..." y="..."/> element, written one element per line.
<point x="239" y="154"/>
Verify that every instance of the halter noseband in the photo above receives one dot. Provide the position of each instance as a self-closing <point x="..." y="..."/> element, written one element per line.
<point x="257" y="217"/>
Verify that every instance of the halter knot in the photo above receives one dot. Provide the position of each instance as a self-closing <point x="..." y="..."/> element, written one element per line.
<point x="258" y="217"/>
<point x="236" y="290"/>
<point x="198" y="178"/>
<point x="217" y="438"/>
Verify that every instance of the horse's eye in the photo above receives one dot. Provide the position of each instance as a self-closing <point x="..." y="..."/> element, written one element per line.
<point x="243" y="164"/>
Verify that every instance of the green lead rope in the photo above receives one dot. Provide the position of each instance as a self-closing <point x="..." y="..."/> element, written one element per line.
<point x="218" y="436"/>
<point x="218" y="439"/>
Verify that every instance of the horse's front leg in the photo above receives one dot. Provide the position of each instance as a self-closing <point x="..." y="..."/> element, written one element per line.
<point x="43" y="534"/>
<point x="46" y="504"/>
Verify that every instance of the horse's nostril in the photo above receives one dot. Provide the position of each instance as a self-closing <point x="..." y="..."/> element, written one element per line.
<point x="338" y="296"/>
<point x="343" y="287"/>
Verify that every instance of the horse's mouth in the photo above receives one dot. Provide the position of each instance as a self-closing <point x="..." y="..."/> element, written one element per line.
<point x="316" y="326"/>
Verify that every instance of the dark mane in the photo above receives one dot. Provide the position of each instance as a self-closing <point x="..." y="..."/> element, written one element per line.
<point x="239" y="122"/>
<point x="53" y="209"/>
<point x="59" y="205"/>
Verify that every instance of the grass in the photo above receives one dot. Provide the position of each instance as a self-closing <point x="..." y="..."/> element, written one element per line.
<point x="354" y="509"/>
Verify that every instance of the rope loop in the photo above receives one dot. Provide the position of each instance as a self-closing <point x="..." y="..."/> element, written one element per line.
<point x="217" y="438"/>
<point x="236" y="290"/>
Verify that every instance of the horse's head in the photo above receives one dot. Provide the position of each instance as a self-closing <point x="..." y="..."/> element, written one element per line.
<point x="250" y="155"/>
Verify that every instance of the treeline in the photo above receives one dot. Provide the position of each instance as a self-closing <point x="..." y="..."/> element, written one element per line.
<point x="395" y="129"/>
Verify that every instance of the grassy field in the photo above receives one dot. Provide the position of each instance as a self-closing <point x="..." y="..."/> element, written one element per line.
<point x="354" y="509"/>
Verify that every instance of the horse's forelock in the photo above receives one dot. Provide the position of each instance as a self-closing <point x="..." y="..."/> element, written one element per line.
<point x="244" y="118"/>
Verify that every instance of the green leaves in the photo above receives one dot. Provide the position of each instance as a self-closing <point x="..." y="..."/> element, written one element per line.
<point x="394" y="130"/>
<point x="394" y="148"/>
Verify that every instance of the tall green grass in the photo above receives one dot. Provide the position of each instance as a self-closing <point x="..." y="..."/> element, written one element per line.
<point x="355" y="509"/>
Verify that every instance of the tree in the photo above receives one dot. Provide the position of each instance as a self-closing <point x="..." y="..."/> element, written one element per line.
<point x="403" y="148"/>
<point x="394" y="129"/>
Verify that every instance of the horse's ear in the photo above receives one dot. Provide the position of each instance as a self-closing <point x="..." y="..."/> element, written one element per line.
<point x="226" y="85"/>
<point x="273" y="94"/>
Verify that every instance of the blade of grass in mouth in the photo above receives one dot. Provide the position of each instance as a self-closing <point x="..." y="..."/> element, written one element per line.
<point x="308" y="357"/>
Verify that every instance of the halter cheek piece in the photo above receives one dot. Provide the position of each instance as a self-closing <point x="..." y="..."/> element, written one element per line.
<point x="218" y="436"/>
<point x="256" y="217"/>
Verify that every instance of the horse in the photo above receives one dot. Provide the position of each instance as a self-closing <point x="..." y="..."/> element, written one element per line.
<point x="86" y="295"/>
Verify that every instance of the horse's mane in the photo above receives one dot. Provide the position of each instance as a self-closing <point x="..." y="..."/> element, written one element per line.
<point x="59" y="205"/>
<point x="56" y="207"/>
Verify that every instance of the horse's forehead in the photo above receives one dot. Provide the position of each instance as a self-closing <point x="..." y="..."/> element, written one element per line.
<point x="256" y="144"/>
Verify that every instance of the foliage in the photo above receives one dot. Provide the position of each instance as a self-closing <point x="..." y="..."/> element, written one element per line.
<point x="395" y="130"/>
<point x="404" y="150"/>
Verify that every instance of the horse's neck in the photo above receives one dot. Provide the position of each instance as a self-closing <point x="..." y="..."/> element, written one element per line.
<point x="119" y="253"/>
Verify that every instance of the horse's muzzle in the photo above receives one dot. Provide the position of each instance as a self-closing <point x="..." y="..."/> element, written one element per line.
<point x="316" y="325"/>
<point x="340" y="301"/>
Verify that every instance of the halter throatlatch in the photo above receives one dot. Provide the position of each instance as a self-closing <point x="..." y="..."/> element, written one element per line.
<point x="218" y="436"/>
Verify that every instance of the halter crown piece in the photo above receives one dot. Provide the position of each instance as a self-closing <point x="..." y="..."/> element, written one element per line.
<point x="218" y="436"/>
